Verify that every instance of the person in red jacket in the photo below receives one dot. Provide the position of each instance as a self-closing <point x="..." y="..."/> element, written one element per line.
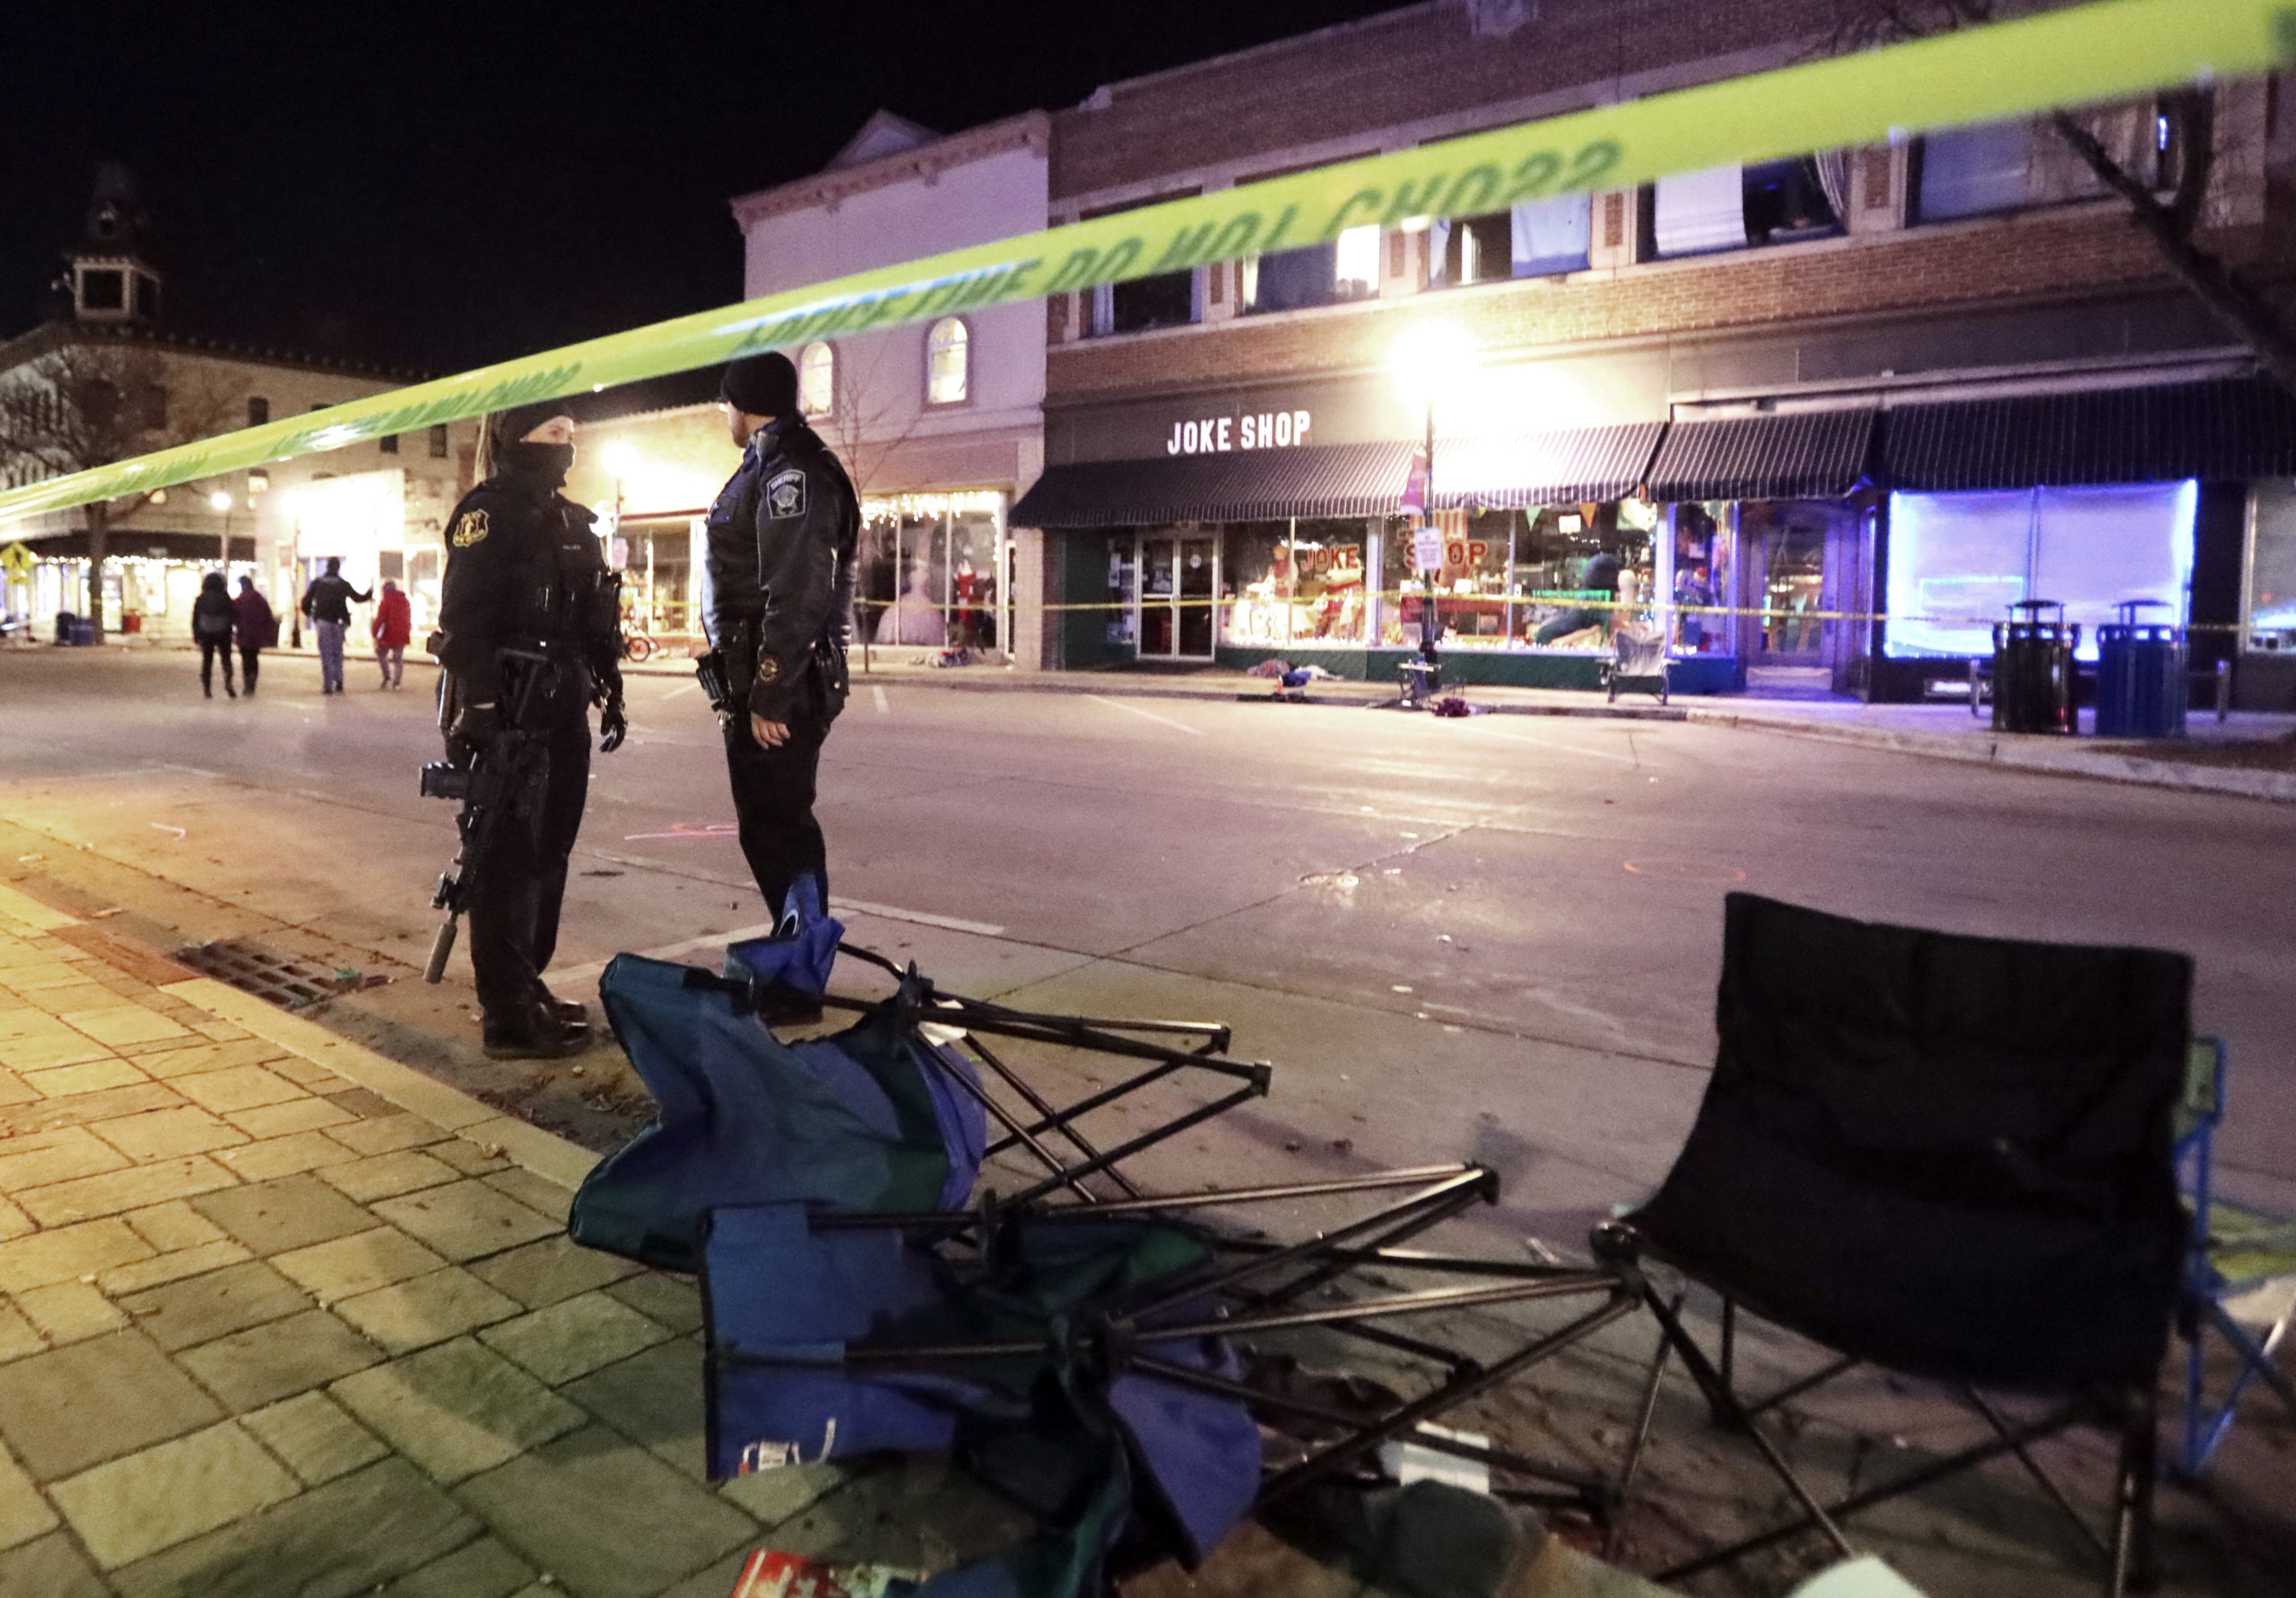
<point x="393" y="625"/>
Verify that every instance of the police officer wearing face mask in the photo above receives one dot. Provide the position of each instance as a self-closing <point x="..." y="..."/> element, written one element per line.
<point x="781" y="541"/>
<point x="525" y="574"/>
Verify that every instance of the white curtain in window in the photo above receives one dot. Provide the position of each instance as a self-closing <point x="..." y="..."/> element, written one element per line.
<point x="1702" y="211"/>
<point x="946" y="362"/>
<point x="2099" y="546"/>
<point x="1356" y="269"/>
<point x="1553" y="235"/>
<point x="1438" y="249"/>
<point x="1968" y="171"/>
<point x="1833" y="177"/>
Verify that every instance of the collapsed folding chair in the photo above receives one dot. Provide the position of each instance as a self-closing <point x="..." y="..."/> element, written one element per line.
<point x="1947" y="1157"/>
<point x="2241" y="1282"/>
<point x="832" y="1334"/>
<point x="890" y="1114"/>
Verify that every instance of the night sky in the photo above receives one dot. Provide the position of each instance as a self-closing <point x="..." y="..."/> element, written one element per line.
<point x="438" y="186"/>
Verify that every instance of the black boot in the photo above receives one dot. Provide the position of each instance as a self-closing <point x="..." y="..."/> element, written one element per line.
<point x="531" y="1034"/>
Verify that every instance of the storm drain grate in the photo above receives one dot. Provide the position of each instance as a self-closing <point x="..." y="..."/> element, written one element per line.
<point x="267" y="974"/>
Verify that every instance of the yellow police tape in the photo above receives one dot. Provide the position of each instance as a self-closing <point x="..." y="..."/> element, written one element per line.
<point x="2105" y="51"/>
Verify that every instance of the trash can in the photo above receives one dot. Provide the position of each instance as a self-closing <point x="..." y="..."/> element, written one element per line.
<point x="64" y="620"/>
<point x="83" y="632"/>
<point x="2141" y="687"/>
<point x="2032" y="669"/>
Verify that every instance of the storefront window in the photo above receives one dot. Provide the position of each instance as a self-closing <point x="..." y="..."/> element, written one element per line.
<point x="1702" y="578"/>
<point x="928" y="571"/>
<point x="2272" y="569"/>
<point x="1581" y="572"/>
<point x="1958" y="561"/>
<point x="1295" y="585"/>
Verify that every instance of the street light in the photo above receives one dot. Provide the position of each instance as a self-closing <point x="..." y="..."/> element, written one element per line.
<point x="1429" y="361"/>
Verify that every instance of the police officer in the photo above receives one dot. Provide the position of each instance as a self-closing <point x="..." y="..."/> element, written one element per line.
<point x="525" y="572"/>
<point x="781" y="559"/>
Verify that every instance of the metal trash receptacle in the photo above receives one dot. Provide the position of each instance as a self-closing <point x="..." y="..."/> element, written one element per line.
<point x="63" y="621"/>
<point x="2141" y="685"/>
<point x="2033" y="670"/>
<point x="83" y="632"/>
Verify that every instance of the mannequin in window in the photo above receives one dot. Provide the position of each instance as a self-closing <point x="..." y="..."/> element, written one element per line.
<point x="913" y="618"/>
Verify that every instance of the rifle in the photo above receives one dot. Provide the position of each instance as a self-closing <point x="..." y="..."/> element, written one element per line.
<point x="493" y="785"/>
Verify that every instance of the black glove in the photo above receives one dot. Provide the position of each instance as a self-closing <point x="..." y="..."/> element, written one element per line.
<point x="614" y="726"/>
<point x="478" y="728"/>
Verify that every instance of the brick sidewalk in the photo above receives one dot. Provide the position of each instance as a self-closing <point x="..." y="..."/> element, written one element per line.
<point x="279" y="1315"/>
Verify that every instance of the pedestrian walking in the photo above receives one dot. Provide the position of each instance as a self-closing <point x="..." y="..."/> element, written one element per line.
<point x="212" y="621"/>
<point x="781" y="539"/>
<point x="256" y="628"/>
<point x="525" y="578"/>
<point x="393" y="625"/>
<point x="327" y="602"/>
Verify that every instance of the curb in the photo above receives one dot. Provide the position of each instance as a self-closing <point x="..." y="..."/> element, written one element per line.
<point x="2039" y="754"/>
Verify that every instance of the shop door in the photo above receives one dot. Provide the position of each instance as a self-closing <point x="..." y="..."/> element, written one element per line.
<point x="1788" y="573"/>
<point x="1179" y="576"/>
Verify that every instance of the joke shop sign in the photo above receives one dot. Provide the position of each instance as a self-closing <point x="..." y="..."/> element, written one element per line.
<point x="1254" y="429"/>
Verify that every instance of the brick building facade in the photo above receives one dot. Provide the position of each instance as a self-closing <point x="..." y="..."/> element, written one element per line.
<point x="1750" y="408"/>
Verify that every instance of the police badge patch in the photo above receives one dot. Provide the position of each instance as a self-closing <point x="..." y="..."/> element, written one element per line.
<point x="470" y="529"/>
<point x="784" y="495"/>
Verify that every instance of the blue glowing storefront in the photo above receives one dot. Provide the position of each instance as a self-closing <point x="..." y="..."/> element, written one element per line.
<point x="2090" y="498"/>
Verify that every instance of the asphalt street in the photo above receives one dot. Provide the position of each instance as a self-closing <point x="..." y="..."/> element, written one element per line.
<point x="1493" y="938"/>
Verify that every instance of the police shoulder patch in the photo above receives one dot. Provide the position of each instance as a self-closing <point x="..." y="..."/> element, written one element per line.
<point x="470" y="529"/>
<point x="784" y="494"/>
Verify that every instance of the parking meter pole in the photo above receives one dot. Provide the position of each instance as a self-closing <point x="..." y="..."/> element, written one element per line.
<point x="1430" y="628"/>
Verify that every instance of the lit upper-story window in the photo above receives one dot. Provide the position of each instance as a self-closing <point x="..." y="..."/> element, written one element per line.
<point x="1347" y="268"/>
<point x="817" y="379"/>
<point x="948" y="362"/>
<point x="1733" y="207"/>
<point x="1537" y="239"/>
<point x="2009" y="165"/>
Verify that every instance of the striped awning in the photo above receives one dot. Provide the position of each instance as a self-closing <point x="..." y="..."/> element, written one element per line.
<point x="1810" y="455"/>
<point x="1575" y="467"/>
<point x="1580" y="466"/>
<point x="1253" y="485"/>
<point x="2231" y="430"/>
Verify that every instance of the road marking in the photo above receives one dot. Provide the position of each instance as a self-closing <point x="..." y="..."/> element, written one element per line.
<point x="884" y="706"/>
<point x="982" y="929"/>
<point x="196" y="771"/>
<point x="164" y="827"/>
<point x="1600" y="754"/>
<point x="680" y="829"/>
<point x="688" y="688"/>
<point x="592" y="970"/>
<point x="1148" y="715"/>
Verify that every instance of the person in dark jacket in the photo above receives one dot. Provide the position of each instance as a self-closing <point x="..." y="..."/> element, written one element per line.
<point x="781" y="540"/>
<point x="524" y="573"/>
<point x="212" y="621"/>
<point x="256" y="627"/>
<point x="327" y="602"/>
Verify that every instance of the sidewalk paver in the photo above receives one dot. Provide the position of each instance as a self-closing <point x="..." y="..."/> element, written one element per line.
<point x="278" y="1314"/>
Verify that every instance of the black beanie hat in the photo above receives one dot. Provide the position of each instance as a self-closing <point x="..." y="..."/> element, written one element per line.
<point x="762" y="384"/>
<point x="518" y="420"/>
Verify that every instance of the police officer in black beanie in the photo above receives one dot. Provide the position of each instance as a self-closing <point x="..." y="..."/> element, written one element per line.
<point x="780" y="554"/>
<point x="524" y="573"/>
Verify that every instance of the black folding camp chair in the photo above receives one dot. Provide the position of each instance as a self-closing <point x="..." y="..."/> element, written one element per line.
<point x="1947" y="1157"/>
<point x="1356" y="1281"/>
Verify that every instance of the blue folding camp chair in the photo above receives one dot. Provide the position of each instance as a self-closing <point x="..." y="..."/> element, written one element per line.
<point x="2240" y="1280"/>
<point x="829" y="1344"/>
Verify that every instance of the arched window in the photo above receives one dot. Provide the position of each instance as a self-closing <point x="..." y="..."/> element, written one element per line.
<point x="817" y="379"/>
<point x="948" y="352"/>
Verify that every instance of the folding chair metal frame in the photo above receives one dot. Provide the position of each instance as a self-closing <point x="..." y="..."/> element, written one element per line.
<point x="1268" y="1287"/>
<point x="2206" y="1287"/>
<point x="2132" y="1415"/>
<point x="1034" y="1124"/>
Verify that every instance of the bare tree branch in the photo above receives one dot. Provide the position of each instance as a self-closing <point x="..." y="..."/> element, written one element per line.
<point x="85" y="405"/>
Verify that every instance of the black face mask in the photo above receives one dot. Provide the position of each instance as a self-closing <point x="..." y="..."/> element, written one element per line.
<point x="546" y="464"/>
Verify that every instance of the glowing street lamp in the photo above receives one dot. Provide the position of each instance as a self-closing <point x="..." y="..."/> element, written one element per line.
<point x="1430" y="360"/>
